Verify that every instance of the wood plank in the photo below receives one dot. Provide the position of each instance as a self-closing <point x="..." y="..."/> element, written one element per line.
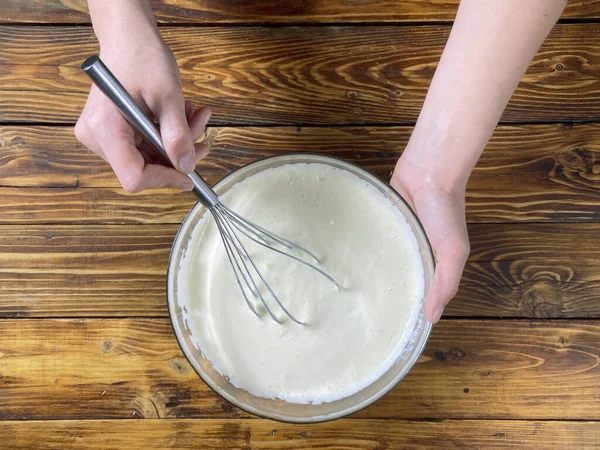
<point x="263" y="11"/>
<point x="93" y="205"/>
<point x="527" y="173"/>
<point x="264" y="434"/>
<point x="48" y="156"/>
<point x="291" y="75"/>
<point x="232" y="12"/>
<point x="162" y="206"/>
<point x="84" y="271"/>
<point x="545" y="156"/>
<point x="515" y="270"/>
<point x="133" y="368"/>
<point x="532" y="270"/>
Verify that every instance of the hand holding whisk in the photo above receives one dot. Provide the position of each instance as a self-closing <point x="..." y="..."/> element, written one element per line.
<point x="231" y="226"/>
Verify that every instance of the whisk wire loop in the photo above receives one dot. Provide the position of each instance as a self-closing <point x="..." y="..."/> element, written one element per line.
<point x="243" y="225"/>
<point x="231" y="234"/>
<point x="234" y="264"/>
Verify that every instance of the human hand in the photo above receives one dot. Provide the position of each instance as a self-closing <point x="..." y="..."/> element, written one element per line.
<point x="145" y="66"/>
<point x="473" y="82"/>
<point x="441" y="210"/>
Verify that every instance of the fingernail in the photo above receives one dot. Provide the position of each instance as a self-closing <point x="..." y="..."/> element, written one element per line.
<point x="437" y="314"/>
<point x="187" y="163"/>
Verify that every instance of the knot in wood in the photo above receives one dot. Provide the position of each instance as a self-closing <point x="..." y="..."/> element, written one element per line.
<point x="106" y="346"/>
<point x="543" y="298"/>
<point x="578" y="165"/>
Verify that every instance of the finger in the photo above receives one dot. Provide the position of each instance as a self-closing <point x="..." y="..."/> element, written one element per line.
<point x="84" y="131"/>
<point x="168" y="177"/>
<point x="116" y="139"/>
<point x="450" y="262"/>
<point x="135" y="176"/>
<point x="175" y="132"/>
<point x="201" y="150"/>
<point x="189" y="109"/>
<point x="87" y="139"/>
<point x="95" y="148"/>
<point x="198" y="122"/>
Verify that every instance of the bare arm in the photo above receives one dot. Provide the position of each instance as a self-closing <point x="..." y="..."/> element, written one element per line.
<point x="491" y="45"/>
<point x="117" y="19"/>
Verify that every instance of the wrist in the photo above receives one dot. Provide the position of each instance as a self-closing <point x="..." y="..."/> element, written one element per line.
<point x="414" y="182"/>
<point x="118" y="35"/>
<point x="116" y="22"/>
<point x="435" y="159"/>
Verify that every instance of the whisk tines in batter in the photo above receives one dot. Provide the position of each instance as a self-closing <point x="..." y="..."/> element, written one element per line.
<point x="248" y="276"/>
<point x="230" y="224"/>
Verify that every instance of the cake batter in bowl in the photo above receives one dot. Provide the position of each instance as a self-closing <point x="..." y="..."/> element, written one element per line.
<point x="358" y="342"/>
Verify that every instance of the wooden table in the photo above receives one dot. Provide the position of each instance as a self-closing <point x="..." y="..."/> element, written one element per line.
<point x="87" y="354"/>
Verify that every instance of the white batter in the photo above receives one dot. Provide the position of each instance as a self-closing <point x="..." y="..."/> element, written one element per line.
<point x="354" y="335"/>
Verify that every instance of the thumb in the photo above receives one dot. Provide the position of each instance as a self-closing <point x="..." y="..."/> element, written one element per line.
<point x="450" y="262"/>
<point x="176" y="134"/>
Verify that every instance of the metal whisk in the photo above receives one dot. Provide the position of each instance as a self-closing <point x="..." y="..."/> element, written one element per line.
<point x="231" y="226"/>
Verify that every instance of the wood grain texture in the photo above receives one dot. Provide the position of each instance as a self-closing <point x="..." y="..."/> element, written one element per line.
<point x="133" y="368"/>
<point x="291" y="75"/>
<point x="92" y="206"/>
<point x="519" y="378"/>
<point x="527" y="173"/>
<point x="262" y="434"/>
<point x="163" y="206"/>
<point x="84" y="271"/>
<point x="263" y="11"/>
<point x="515" y="270"/>
<point x="531" y="270"/>
<point x="533" y="156"/>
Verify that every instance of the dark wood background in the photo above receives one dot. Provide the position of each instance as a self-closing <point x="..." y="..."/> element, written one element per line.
<point x="87" y="355"/>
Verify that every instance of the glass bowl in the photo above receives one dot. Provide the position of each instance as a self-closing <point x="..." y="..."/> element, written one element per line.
<point x="279" y="409"/>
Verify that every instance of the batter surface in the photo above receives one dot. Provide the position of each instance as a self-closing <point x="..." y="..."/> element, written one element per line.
<point x="352" y="336"/>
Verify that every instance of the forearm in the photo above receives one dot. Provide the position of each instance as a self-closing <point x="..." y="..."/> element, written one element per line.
<point x="117" y="21"/>
<point x="490" y="47"/>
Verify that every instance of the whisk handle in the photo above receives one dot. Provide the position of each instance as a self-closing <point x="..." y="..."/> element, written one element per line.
<point x="103" y="78"/>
